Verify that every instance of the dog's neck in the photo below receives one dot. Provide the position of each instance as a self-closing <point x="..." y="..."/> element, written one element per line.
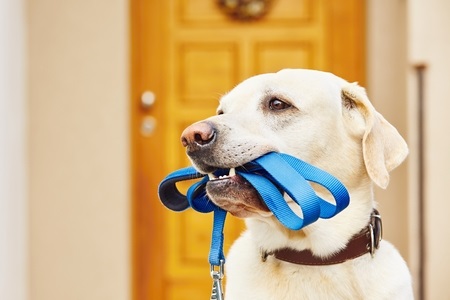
<point x="269" y="235"/>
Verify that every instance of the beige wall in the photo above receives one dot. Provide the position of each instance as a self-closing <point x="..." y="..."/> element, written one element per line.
<point x="386" y="87"/>
<point x="79" y="159"/>
<point x="429" y="43"/>
<point x="402" y="34"/>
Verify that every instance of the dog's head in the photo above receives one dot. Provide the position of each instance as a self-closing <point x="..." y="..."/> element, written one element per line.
<point x="315" y="116"/>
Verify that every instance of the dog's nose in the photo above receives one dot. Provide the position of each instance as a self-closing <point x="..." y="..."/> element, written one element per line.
<point x="198" y="135"/>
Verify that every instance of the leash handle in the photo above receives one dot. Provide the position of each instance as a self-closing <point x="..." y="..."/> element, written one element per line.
<point x="271" y="175"/>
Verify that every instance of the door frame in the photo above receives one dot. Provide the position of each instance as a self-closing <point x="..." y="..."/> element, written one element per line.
<point x="146" y="260"/>
<point x="346" y="34"/>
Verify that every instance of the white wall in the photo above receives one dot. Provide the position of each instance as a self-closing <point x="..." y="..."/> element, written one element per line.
<point x="13" y="154"/>
<point x="429" y="43"/>
<point x="79" y="157"/>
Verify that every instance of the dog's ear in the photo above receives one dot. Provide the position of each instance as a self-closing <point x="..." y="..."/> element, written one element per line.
<point x="383" y="147"/>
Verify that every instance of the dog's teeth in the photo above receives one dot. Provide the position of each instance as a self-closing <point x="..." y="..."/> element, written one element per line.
<point x="232" y="172"/>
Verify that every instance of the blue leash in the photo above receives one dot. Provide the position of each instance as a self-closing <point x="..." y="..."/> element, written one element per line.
<point x="271" y="175"/>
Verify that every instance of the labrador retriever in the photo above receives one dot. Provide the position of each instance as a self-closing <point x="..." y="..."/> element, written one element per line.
<point x="329" y="123"/>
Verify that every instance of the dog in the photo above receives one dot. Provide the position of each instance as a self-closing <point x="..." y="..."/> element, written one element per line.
<point x="331" y="124"/>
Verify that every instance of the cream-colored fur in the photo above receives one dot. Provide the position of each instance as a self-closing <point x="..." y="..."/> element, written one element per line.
<point x="331" y="124"/>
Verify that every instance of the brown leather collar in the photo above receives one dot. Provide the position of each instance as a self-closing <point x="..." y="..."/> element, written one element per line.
<point x="366" y="241"/>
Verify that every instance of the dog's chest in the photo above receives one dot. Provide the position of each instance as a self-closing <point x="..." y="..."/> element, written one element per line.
<point x="248" y="277"/>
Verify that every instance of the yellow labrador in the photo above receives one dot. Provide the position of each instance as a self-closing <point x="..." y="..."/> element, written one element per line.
<point x="327" y="122"/>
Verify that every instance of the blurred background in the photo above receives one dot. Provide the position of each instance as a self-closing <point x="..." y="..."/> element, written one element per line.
<point x="94" y="96"/>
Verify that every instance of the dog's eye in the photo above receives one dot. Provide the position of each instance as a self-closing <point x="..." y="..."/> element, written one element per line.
<point x="220" y="112"/>
<point x="277" y="104"/>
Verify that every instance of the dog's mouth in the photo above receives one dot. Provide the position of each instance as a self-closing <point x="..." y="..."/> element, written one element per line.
<point x="233" y="193"/>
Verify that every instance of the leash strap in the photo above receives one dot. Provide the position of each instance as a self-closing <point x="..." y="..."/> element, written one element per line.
<point x="272" y="175"/>
<point x="216" y="252"/>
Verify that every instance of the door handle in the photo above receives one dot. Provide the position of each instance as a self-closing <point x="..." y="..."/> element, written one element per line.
<point x="148" y="99"/>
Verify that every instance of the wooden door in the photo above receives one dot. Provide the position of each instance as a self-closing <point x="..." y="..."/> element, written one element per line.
<point x="188" y="53"/>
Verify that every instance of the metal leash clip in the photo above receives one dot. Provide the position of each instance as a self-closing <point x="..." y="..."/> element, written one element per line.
<point x="217" y="275"/>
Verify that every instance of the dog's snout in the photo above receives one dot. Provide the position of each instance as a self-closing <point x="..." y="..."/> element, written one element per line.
<point x="198" y="134"/>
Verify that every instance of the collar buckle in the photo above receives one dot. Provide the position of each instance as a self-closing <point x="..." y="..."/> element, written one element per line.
<point x="375" y="231"/>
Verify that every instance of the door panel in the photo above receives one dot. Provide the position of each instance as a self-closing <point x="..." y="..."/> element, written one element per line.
<point x="189" y="53"/>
